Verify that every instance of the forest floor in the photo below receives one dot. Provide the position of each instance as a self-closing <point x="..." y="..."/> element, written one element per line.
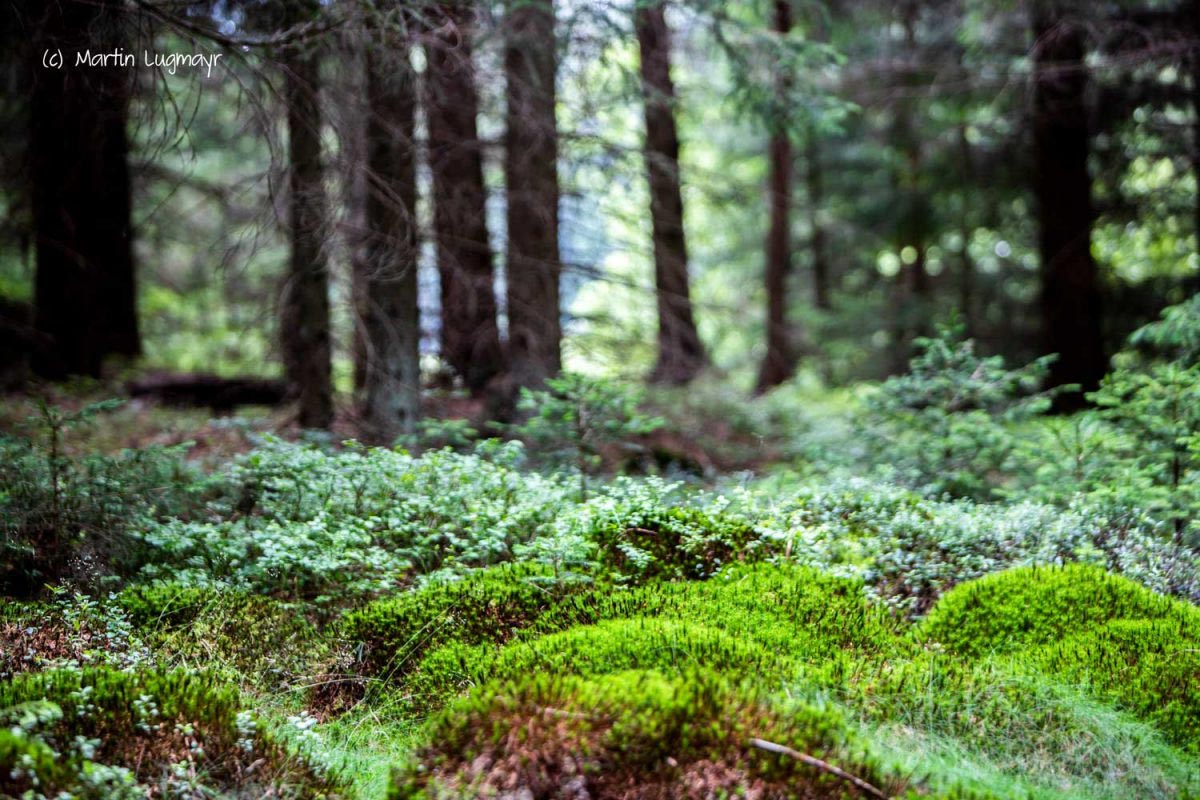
<point x="243" y="611"/>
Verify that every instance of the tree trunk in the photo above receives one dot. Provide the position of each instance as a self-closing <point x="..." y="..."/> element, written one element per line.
<point x="966" y="276"/>
<point x="912" y="307"/>
<point x="1193" y="14"/>
<point x="351" y="98"/>
<point x="680" y="353"/>
<point x="822" y="290"/>
<point x="779" y="363"/>
<point x="533" y="263"/>
<point x="304" y="319"/>
<point x="392" y="328"/>
<point x="470" y="336"/>
<point x="1070" y="295"/>
<point x="85" y="290"/>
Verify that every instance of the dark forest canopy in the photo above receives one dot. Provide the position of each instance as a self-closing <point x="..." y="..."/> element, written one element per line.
<point x="351" y="195"/>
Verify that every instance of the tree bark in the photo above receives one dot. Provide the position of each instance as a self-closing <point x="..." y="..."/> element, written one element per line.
<point x="533" y="263"/>
<point x="680" y="354"/>
<point x="304" y="318"/>
<point x="1070" y="291"/>
<point x="912" y="284"/>
<point x="815" y="185"/>
<point x="85" y="288"/>
<point x="966" y="276"/>
<point x="470" y="335"/>
<point x="354" y="112"/>
<point x="779" y="363"/>
<point x="1193" y="18"/>
<point x="391" y="324"/>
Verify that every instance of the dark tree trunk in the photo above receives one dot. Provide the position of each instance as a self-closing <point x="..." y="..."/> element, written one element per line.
<point x="304" y="318"/>
<point x="470" y="336"/>
<point x="815" y="185"/>
<point x="1193" y="14"/>
<point x="779" y="363"/>
<point x="85" y="291"/>
<point x="912" y="307"/>
<point x="351" y="98"/>
<point x="392" y="388"/>
<point x="531" y="171"/>
<point x="966" y="276"/>
<point x="1070" y="295"/>
<point x="680" y="353"/>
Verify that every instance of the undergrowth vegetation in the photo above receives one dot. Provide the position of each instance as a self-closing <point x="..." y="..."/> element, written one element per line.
<point x="945" y="594"/>
<point x="104" y="733"/>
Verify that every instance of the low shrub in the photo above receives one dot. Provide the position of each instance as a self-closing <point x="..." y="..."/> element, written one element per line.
<point x="116" y="734"/>
<point x="1023" y="607"/>
<point x="945" y="426"/>
<point x="572" y="420"/>
<point x="301" y="523"/>
<point x="71" y="630"/>
<point x="645" y="541"/>
<point x="71" y="516"/>
<point x="635" y="735"/>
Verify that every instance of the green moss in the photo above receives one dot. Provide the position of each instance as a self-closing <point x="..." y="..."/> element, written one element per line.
<point x="1148" y="667"/>
<point x="490" y="605"/>
<point x="791" y="608"/>
<point x="1016" y="725"/>
<point x="632" y="734"/>
<point x="668" y="646"/>
<point x="444" y="638"/>
<point x="115" y="732"/>
<point x="163" y="603"/>
<point x="1036" y="605"/>
<point x="241" y="635"/>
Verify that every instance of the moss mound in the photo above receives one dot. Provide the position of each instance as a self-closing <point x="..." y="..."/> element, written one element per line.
<point x="1026" y="723"/>
<point x="634" y="735"/>
<point x="490" y="605"/>
<point x="443" y="639"/>
<point x="1030" y="606"/>
<point x="1150" y="668"/>
<point x="668" y="646"/>
<point x="234" y="632"/>
<point x="793" y="608"/>
<point x="163" y="603"/>
<point x="109" y="734"/>
<point x="790" y="609"/>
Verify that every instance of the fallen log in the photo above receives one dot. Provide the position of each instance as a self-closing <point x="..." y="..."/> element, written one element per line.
<point x="201" y="390"/>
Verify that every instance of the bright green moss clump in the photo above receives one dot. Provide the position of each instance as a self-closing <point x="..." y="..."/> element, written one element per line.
<point x="1079" y="625"/>
<point x="668" y="646"/>
<point x="234" y="632"/>
<point x="487" y="606"/>
<point x="632" y="735"/>
<point x="163" y="603"/>
<point x="445" y="636"/>
<point x="1148" y="667"/>
<point x="1024" y="607"/>
<point x="116" y="734"/>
